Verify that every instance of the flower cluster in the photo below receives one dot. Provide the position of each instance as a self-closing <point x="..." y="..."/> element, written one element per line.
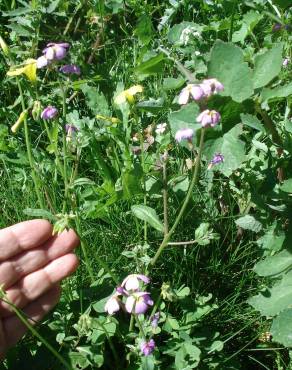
<point x="135" y="301"/>
<point x="207" y="118"/>
<point x="200" y="91"/>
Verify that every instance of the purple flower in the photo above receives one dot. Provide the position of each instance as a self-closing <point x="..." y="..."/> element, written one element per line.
<point x="154" y="320"/>
<point x="138" y="302"/>
<point x="211" y="86"/>
<point x="277" y="27"/>
<point x="218" y="158"/>
<point x="191" y="90"/>
<point x="184" y="134"/>
<point x="286" y="61"/>
<point x="49" y="113"/>
<point x="147" y="347"/>
<point x="209" y="118"/>
<point x="70" y="69"/>
<point x="56" y="51"/>
<point x="131" y="282"/>
<point x="113" y="304"/>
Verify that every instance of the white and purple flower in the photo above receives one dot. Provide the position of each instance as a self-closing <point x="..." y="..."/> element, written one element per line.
<point x="113" y="304"/>
<point x="132" y="281"/>
<point x="184" y="134"/>
<point x="209" y="118"/>
<point x="211" y="86"/>
<point x="147" y="347"/>
<point x="138" y="303"/>
<point x="49" y="112"/>
<point x="191" y="90"/>
<point x="218" y="158"/>
<point x="56" y="51"/>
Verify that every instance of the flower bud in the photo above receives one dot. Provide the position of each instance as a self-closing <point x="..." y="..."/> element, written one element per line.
<point x="4" y="46"/>
<point x="18" y="123"/>
<point x="36" y="110"/>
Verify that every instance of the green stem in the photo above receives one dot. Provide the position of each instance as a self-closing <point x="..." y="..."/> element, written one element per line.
<point x="110" y="344"/>
<point x="232" y="21"/>
<point x="29" y="152"/>
<point x="180" y="67"/>
<point x="140" y="326"/>
<point x="165" y="197"/>
<point x="185" y="203"/>
<point x="36" y="334"/>
<point x="64" y="92"/>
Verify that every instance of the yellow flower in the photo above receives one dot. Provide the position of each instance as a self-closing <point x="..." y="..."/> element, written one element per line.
<point x="110" y="119"/>
<point x="29" y="69"/>
<point x="18" y="123"/>
<point x="128" y="95"/>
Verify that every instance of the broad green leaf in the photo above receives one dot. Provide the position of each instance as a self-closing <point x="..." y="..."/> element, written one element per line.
<point x="287" y="186"/>
<point x="283" y="3"/>
<point x="252" y="121"/>
<point x="40" y="213"/>
<point x="267" y="66"/>
<point x="149" y="215"/>
<point x="281" y="328"/>
<point x="248" y="222"/>
<point x="184" y="118"/>
<point x="273" y="239"/>
<point x="170" y="83"/>
<point x="276" y="299"/>
<point x="249" y="21"/>
<point x="228" y="66"/>
<point x="273" y="265"/>
<point x="232" y="148"/>
<point x="151" y="105"/>
<point x="277" y="93"/>
<point x="176" y="33"/>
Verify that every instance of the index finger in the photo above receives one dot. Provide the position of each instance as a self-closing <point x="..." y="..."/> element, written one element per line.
<point x="23" y="236"/>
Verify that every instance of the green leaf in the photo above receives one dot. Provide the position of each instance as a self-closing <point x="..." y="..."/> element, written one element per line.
<point x="252" y="121"/>
<point x="216" y="346"/>
<point x="273" y="265"/>
<point x="283" y="3"/>
<point x="149" y="215"/>
<point x="286" y="186"/>
<point x="184" y="118"/>
<point x="231" y="147"/>
<point x="277" y="93"/>
<point x="175" y="33"/>
<point x="228" y="66"/>
<point x="276" y="299"/>
<point x="281" y="328"/>
<point x="95" y="100"/>
<point x="249" y="21"/>
<point x="248" y="222"/>
<point x="40" y="213"/>
<point x="151" y="66"/>
<point x="144" y="29"/>
<point x="273" y="239"/>
<point x="170" y="83"/>
<point x="267" y="66"/>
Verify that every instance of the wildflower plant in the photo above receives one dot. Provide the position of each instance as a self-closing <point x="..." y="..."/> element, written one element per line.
<point x="168" y="143"/>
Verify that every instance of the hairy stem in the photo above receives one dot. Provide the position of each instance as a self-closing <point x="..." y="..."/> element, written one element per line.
<point x="185" y="203"/>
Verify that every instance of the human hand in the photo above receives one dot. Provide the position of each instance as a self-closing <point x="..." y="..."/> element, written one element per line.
<point x="32" y="264"/>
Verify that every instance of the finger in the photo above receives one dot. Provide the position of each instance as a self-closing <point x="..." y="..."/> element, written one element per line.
<point x="29" y="261"/>
<point x="14" y="329"/>
<point x="37" y="283"/>
<point x="23" y="236"/>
